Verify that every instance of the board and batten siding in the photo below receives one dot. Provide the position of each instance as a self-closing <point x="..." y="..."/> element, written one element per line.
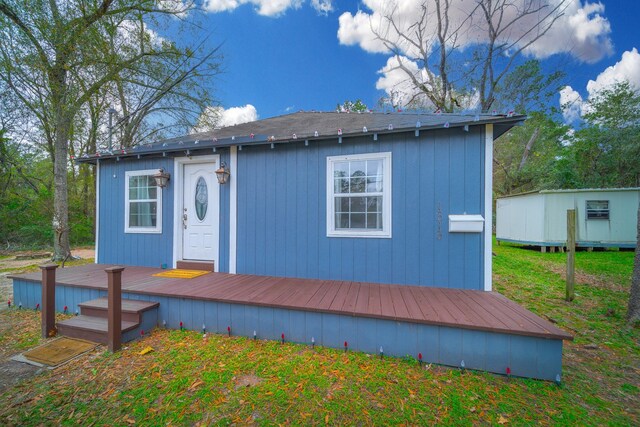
<point x="146" y="249"/>
<point x="281" y="220"/>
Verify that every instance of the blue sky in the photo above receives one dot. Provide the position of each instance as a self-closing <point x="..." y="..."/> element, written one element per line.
<point x="285" y="55"/>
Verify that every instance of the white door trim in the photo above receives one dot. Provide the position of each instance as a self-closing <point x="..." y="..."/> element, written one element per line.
<point x="233" y="208"/>
<point x="488" y="206"/>
<point x="178" y="182"/>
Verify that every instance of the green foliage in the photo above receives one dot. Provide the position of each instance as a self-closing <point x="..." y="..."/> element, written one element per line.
<point x="356" y="106"/>
<point x="606" y="152"/>
<point x="528" y="89"/>
<point x="515" y="172"/>
<point x="26" y="199"/>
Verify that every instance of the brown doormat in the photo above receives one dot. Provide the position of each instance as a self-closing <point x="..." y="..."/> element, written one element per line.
<point x="59" y="351"/>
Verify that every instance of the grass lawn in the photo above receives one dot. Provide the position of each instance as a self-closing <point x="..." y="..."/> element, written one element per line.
<point x="191" y="380"/>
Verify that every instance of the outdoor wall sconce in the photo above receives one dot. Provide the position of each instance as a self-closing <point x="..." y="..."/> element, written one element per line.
<point x="162" y="178"/>
<point x="222" y="173"/>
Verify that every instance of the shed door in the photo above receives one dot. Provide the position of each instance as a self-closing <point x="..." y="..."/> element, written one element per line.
<point x="200" y="219"/>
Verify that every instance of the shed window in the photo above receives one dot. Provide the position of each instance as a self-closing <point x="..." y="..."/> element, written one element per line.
<point x="359" y="195"/>
<point x="143" y="203"/>
<point x="597" y="209"/>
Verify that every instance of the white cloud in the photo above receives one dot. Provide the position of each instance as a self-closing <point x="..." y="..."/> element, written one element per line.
<point x="263" y="7"/>
<point x="402" y="92"/>
<point x="237" y="115"/>
<point x="571" y="103"/>
<point x="215" y="117"/>
<point x="627" y="69"/>
<point x="323" y="7"/>
<point x="394" y="81"/>
<point x="582" y="31"/>
<point x="179" y="7"/>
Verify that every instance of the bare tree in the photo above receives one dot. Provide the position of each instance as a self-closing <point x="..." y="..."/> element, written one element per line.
<point x="493" y="33"/>
<point x="55" y="58"/>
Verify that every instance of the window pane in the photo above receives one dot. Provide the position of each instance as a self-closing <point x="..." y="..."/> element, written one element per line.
<point x="340" y="169"/>
<point x="374" y="184"/>
<point x="342" y="221"/>
<point x="342" y="204"/>
<point x="142" y="214"/>
<point x="374" y="204"/>
<point x="358" y="185"/>
<point x="358" y="168"/>
<point x="358" y="204"/>
<point x="341" y="185"/>
<point x="374" y="221"/>
<point x="374" y="167"/>
<point x="358" y="220"/>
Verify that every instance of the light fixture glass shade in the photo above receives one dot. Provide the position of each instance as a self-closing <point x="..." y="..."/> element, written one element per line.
<point x="222" y="173"/>
<point x="162" y="178"/>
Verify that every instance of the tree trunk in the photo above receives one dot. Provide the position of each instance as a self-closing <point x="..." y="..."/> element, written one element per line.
<point x="633" y="313"/>
<point x="528" y="147"/>
<point x="61" y="248"/>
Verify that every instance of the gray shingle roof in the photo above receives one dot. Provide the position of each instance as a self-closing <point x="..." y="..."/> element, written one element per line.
<point x="314" y="125"/>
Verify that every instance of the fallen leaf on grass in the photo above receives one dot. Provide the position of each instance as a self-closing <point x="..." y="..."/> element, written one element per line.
<point x="145" y="351"/>
<point x="502" y="420"/>
<point x="195" y="384"/>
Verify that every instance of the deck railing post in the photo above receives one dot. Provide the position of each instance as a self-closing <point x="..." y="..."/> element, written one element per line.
<point x="114" y="308"/>
<point x="48" y="314"/>
<point x="571" y="254"/>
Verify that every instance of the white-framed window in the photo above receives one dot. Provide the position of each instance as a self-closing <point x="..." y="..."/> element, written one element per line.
<point x="142" y="203"/>
<point x="359" y="195"/>
<point x="597" y="209"/>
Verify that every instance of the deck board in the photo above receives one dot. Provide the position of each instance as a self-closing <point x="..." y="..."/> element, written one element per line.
<point x="477" y="310"/>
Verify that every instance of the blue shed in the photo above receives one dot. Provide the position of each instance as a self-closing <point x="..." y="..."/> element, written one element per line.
<point x="369" y="230"/>
<point x="339" y="196"/>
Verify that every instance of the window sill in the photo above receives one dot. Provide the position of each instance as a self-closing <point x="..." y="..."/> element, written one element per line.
<point x="142" y="231"/>
<point x="360" y="234"/>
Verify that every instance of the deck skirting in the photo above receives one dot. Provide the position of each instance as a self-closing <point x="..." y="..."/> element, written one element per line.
<point x="525" y="356"/>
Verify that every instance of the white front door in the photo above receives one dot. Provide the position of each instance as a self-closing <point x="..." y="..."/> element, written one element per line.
<point x="200" y="212"/>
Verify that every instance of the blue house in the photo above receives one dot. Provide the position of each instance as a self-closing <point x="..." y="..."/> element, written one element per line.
<point x="368" y="228"/>
<point x="337" y="196"/>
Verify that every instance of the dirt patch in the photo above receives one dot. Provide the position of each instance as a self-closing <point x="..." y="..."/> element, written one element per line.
<point x="6" y="291"/>
<point x="247" y="381"/>
<point x="20" y="260"/>
<point x="585" y="278"/>
<point x="12" y="372"/>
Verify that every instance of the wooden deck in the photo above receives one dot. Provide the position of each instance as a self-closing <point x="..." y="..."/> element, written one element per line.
<point x="476" y="310"/>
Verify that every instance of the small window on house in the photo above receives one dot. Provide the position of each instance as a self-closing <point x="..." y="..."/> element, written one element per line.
<point x="597" y="209"/>
<point x="359" y="195"/>
<point x="143" y="203"/>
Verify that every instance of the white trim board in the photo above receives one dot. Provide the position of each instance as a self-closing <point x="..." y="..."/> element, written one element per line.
<point x="178" y="182"/>
<point x="233" y="208"/>
<point x="97" y="214"/>
<point x="127" y="204"/>
<point x="488" y="206"/>
<point x="386" y="157"/>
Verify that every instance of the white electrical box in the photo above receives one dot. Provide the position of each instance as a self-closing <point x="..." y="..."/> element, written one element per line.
<point x="466" y="223"/>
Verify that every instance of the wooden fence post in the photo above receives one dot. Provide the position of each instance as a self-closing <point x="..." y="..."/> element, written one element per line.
<point x="114" y="308"/>
<point x="571" y="253"/>
<point x="48" y="314"/>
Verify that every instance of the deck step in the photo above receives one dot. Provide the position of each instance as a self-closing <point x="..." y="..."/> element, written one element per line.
<point x="91" y="328"/>
<point x="131" y="309"/>
<point x="195" y="265"/>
